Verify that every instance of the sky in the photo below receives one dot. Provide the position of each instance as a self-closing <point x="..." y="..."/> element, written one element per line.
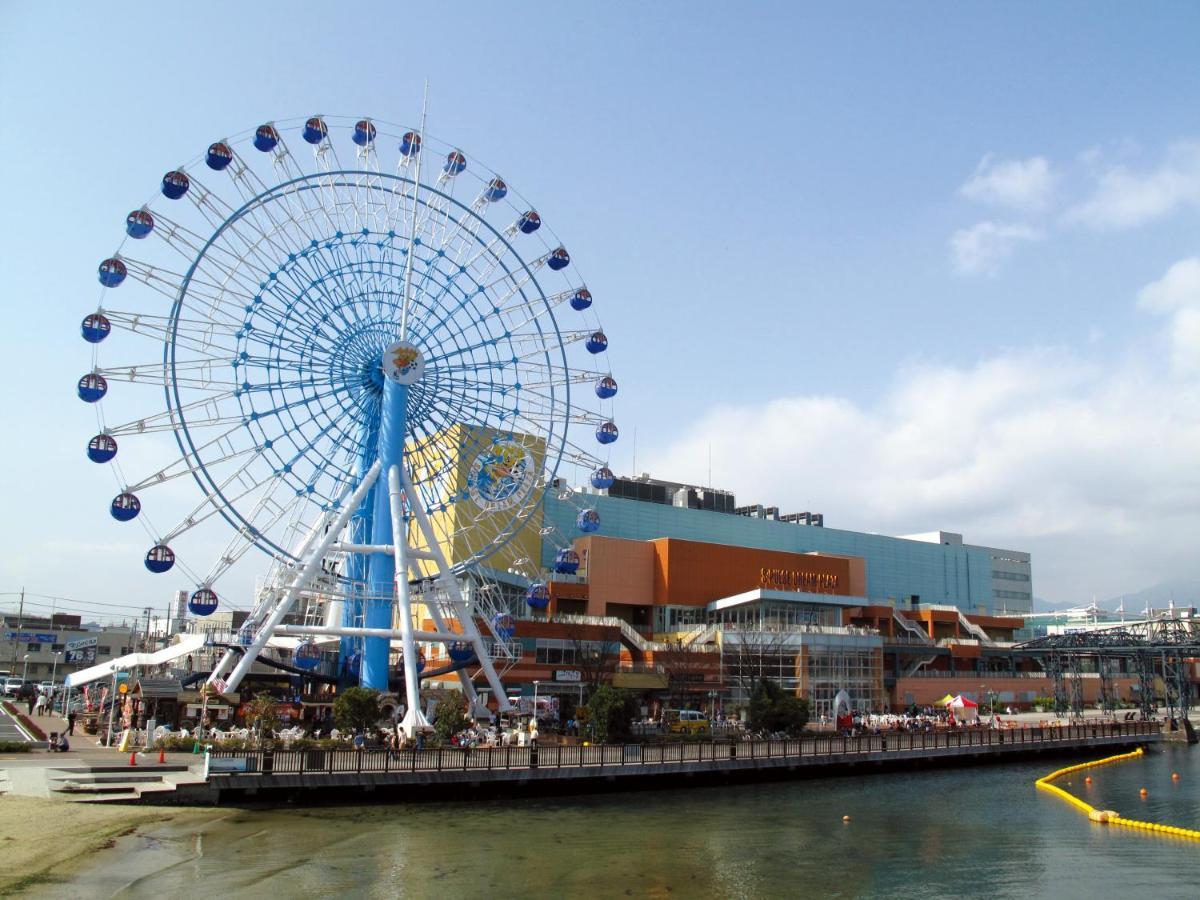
<point x="914" y="266"/>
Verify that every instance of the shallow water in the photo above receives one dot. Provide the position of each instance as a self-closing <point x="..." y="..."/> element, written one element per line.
<point x="970" y="832"/>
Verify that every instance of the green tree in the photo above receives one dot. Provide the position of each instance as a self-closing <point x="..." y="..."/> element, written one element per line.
<point x="262" y="715"/>
<point x="774" y="709"/>
<point x="356" y="708"/>
<point x="610" y="713"/>
<point x="450" y="715"/>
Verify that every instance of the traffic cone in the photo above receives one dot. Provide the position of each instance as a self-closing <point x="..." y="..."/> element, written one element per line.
<point x="133" y="758"/>
<point x="162" y="755"/>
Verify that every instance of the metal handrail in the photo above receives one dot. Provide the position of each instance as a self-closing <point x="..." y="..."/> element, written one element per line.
<point x="557" y="756"/>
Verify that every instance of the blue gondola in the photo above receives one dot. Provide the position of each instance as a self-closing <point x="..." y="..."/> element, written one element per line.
<point x="364" y="132"/>
<point x="266" y="138"/>
<point x="529" y="222"/>
<point x="95" y="328"/>
<point x="138" y="224"/>
<point x="538" y="596"/>
<point x="219" y="156"/>
<point x="566" y="562"/>
<point x="495" y="190"/>
<point x="460" y="652"/>
<point x="597" y="342"/>
<point x="503" y="626"/>
<point x="102" y="448"/>
<point x="306" y="656"/>
<point x="160" y="558"/>
<point x="588" y="521"/>
<point x="606" y="387"/>
<point x="559" y="259"/>
<point x="607" y="433"/>
<point x="91" y="387"/>
<point x="603" y="478"/>
<point x="175" y="184"/>
<point x="410" y="144"/>
<point x="581" y="300"/>
<point x="125" y="507"/>
<point x="455" y="162"/>
<point x="203" y="602"/>
<point x="112" y="272"/>
<point x="314" y="132"/>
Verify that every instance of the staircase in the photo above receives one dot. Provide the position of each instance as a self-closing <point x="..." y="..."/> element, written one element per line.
<point x="911" y="628"/>
<point x="114" y="784"/>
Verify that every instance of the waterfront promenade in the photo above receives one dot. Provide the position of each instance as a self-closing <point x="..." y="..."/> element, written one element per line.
<point x="344" y="775"/>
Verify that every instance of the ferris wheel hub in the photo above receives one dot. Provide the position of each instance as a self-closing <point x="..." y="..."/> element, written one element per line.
<point x="403" y="363"/>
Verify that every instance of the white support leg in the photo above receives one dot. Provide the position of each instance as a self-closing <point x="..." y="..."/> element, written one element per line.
<point x="446" y="578"/>
<point x="310" y="566"/>
<point x="439" y="622"/>
<point x="414" y="719"/>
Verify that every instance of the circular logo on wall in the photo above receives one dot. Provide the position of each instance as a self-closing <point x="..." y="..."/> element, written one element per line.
<point x="501" y="476"/>
<point x="403" y="363"/>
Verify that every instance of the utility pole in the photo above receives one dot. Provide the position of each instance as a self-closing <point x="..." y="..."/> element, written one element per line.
<point x="20" y="625"/>
<point x="146" y="633"/>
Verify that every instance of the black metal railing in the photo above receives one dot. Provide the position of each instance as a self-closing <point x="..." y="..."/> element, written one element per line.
<point x="559" y="756"/>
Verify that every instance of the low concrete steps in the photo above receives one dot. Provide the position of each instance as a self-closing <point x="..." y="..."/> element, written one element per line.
<point x="117" y="783"/>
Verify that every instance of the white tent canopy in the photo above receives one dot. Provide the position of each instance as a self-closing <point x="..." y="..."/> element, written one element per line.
<point x="189" y="643"/>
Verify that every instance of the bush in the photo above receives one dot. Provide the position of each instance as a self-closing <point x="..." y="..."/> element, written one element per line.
<point x="610" y="713"/>
<point x="13" y="747"/>
<point x="450" y="715"/>
<point x="772" y="709"/>
<point x="356" y="708"/>
<point x="262" y="715"/>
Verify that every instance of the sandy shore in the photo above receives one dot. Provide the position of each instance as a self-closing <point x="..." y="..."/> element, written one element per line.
<point x="43" y="842"/>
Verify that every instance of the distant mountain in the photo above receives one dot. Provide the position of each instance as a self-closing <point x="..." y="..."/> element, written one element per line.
<point x="1185" y="592"/>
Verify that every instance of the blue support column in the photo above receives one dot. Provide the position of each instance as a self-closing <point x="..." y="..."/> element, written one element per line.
<point x="357" y="565"/>
<point x="382" y="581"/>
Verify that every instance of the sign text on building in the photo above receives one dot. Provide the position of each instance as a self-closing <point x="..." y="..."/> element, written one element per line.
<point x="793" y="580"/>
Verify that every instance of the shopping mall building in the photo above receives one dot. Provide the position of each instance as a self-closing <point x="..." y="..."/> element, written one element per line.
<point x="687" y="598"/>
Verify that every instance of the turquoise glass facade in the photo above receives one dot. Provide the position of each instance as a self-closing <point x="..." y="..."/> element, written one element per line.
<point x="897" y="568"/>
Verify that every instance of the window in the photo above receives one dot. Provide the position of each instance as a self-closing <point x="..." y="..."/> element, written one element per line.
<point x="33" y="648"/>
<point x="56" y="647"/>
<point x="104" y="651"/>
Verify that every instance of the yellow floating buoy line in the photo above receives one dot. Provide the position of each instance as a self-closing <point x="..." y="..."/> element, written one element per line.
<point x="1107" y="816"/>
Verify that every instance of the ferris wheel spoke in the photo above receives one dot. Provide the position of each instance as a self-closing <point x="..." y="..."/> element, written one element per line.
<point x="214" y="503"/>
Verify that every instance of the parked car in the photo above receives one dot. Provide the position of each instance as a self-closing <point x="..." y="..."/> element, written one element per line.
<point x="46" y="687"/>
<point x="12" y="686"/>
<point x="686" y="721"/>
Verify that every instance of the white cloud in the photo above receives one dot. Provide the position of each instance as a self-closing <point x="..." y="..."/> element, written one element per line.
<point x="1125" y="199"/>
<point x="981" y="248"/>
<point x="1088" y="464"/>
<point x="1024" y="184"/>
<point x="1177" y="295"/>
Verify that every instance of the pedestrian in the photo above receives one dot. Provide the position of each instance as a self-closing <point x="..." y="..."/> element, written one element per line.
<point x="71" y="722"/>
<point x="39" y="705"/>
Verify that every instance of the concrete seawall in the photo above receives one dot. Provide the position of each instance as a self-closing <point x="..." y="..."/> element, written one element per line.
<point x="348" y="776"/>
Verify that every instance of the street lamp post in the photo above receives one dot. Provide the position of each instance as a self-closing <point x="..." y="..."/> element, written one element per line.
<point x="535" y="693"/>
<point x="53" y="674"/>
<point x="25" y="668"/>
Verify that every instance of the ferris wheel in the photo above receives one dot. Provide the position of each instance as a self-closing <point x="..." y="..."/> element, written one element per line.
<point x="373" y="359"/>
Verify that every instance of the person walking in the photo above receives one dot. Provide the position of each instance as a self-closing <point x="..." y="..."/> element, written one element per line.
<point x="71" y="722"/>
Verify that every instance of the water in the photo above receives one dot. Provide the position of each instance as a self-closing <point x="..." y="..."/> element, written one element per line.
<point x="969" y="832"/>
